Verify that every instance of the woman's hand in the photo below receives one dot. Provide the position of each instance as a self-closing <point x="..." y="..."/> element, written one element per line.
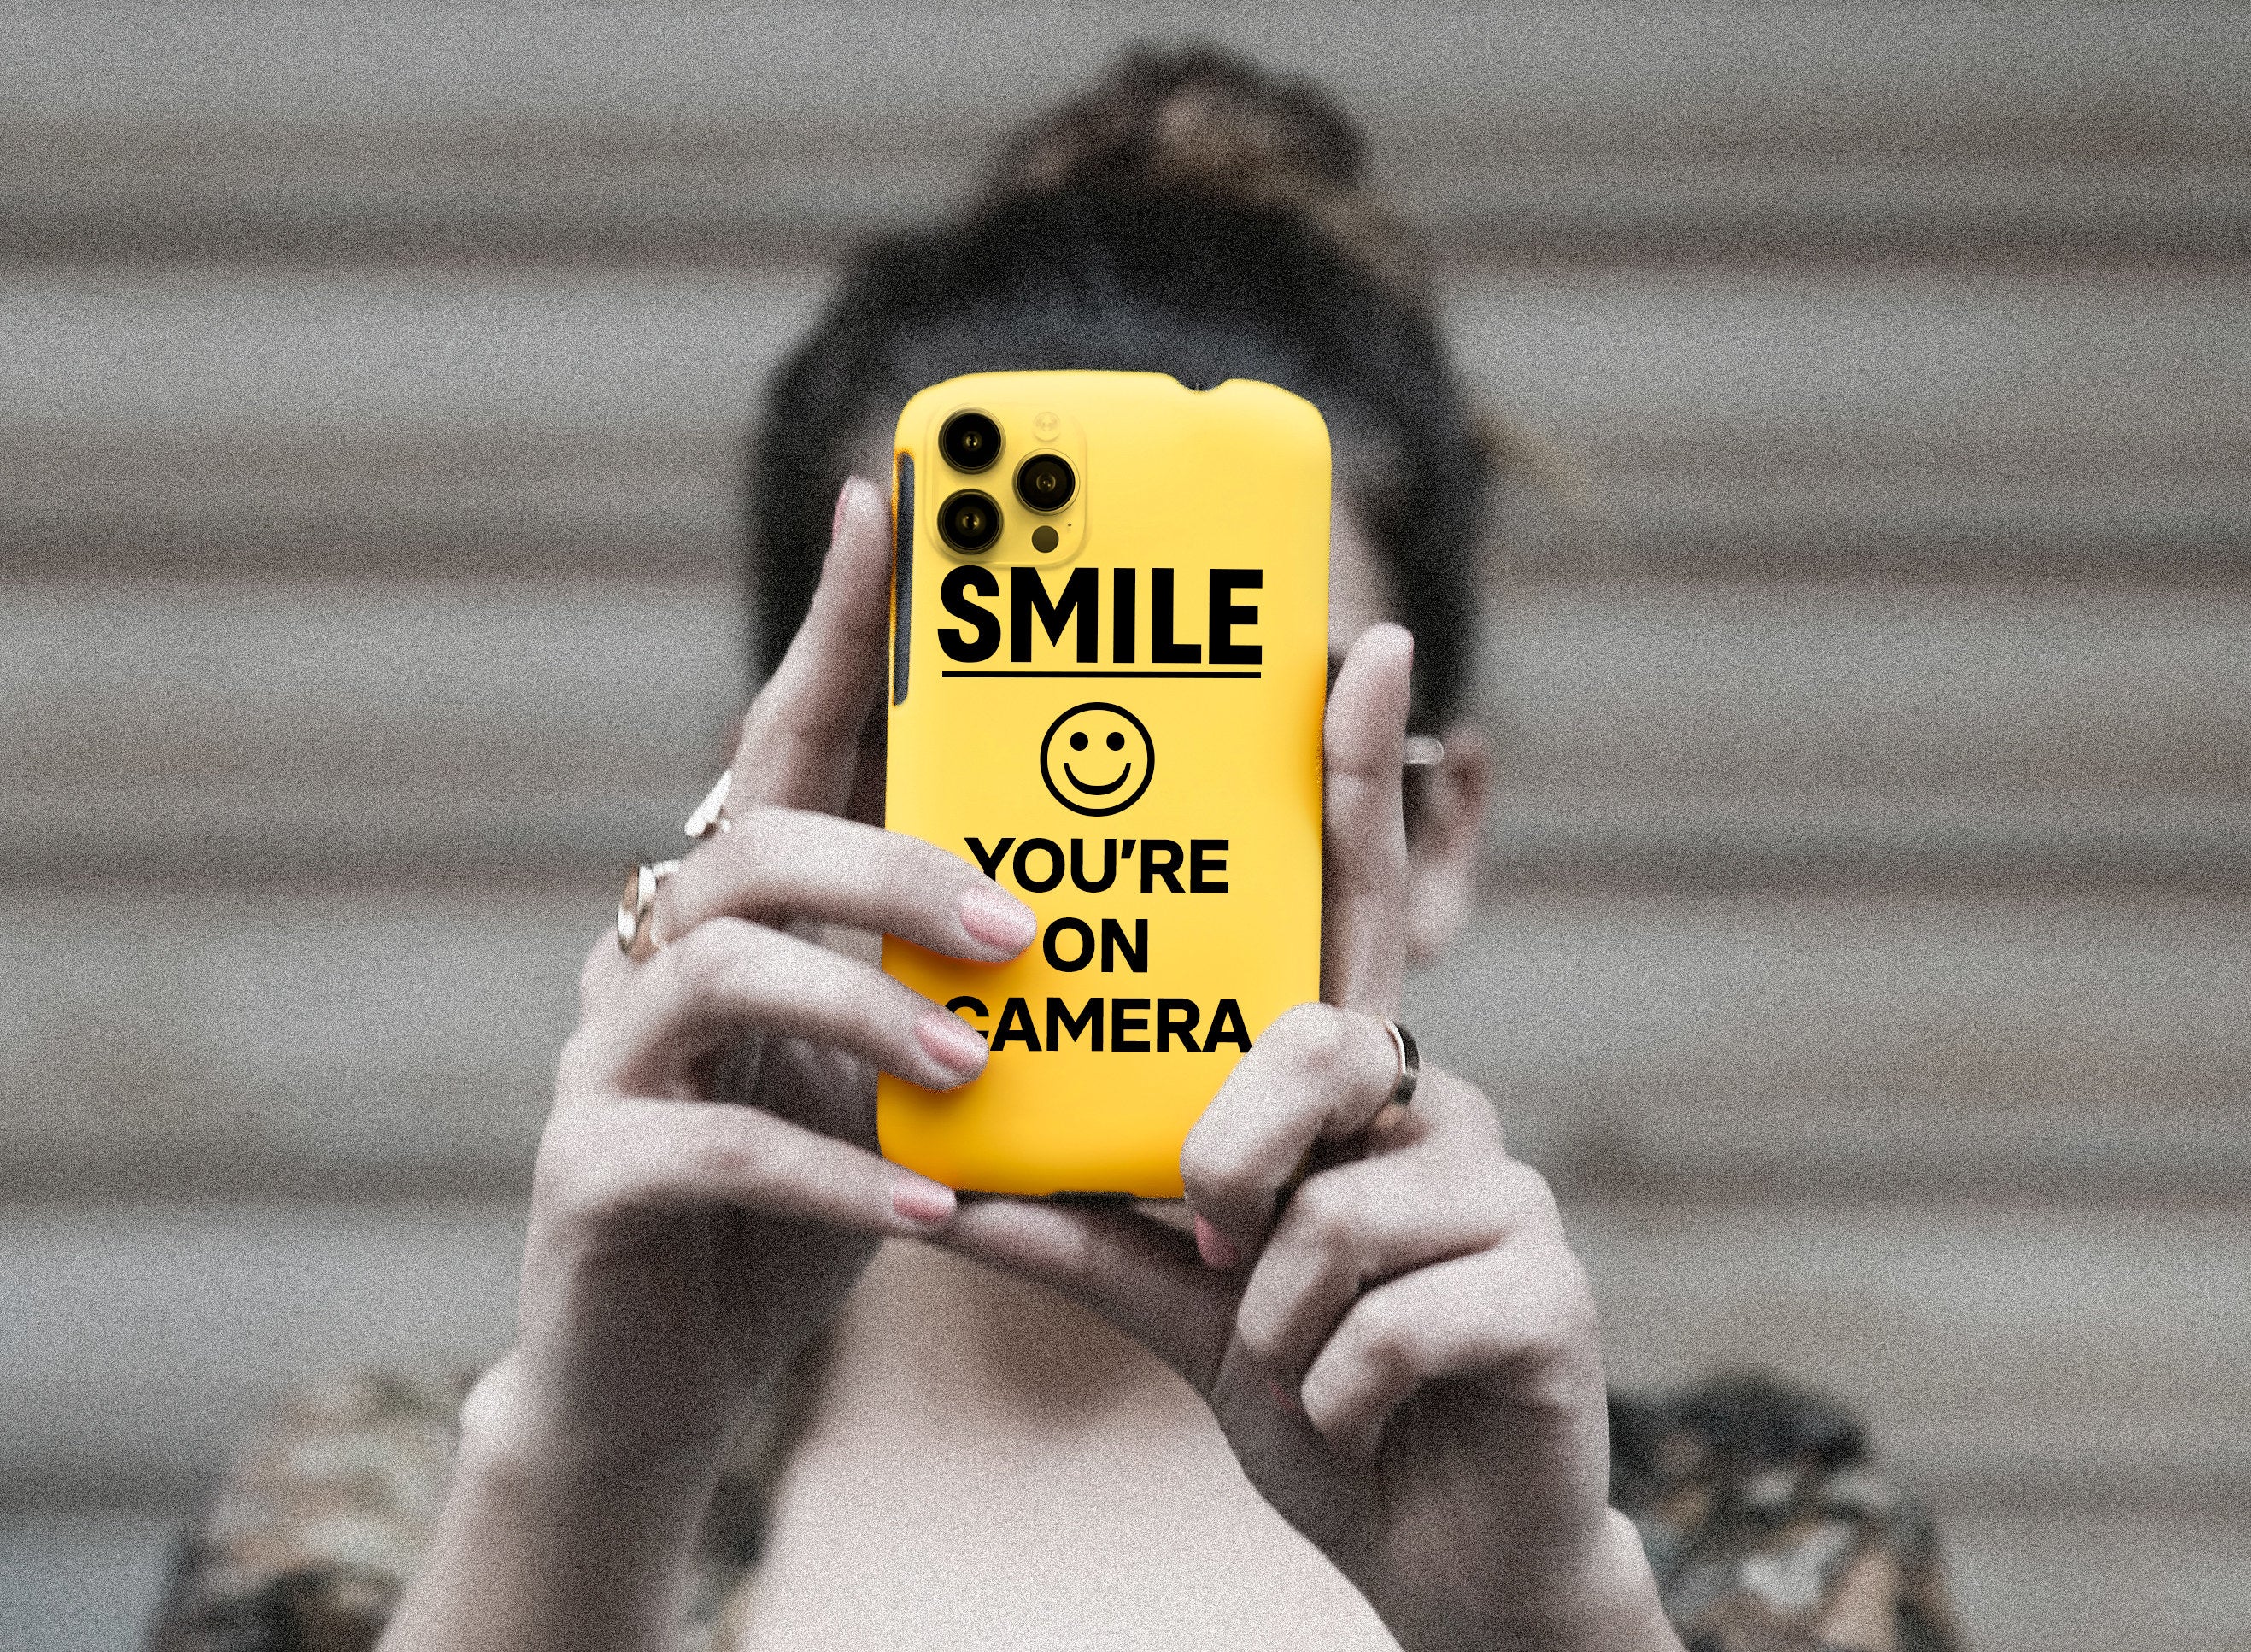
<point x="1399" y="1347"/>
<point x="707" y="1186"/>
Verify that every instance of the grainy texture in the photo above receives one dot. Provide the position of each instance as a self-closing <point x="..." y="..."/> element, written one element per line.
<point x="1767" y="1528"/>
<point x="1749" y="732"/>
<point x="1941" y="420"/>
<point x="2000" y="1357"/>
<point x="82" y="1579"/>
<point x="2009" y="1045"/>
<point x="1864" y="950"/>
<point x="1776" y="130"/>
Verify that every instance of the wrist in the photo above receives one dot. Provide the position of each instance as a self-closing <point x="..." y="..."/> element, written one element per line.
<point x="1600" y="1596"/>
<point x="523" y="1445"/>
<point x="550" y="1539"/>
<point x="1607" y="1603"/>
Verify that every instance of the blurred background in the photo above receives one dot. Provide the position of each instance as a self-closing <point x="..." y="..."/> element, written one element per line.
<point x="1863" y="953"/>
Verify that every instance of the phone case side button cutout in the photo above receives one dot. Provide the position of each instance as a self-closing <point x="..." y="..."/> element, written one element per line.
<point x="903" y="580"/>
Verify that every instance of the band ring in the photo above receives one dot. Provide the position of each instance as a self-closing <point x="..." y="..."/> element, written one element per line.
<point x="710" y="818"/>
<point x="637" y="905"/>
<point x="1410" y="1064"/>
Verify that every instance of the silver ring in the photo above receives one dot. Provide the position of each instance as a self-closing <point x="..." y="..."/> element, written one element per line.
<point x="710" y="818"/>
<point x="637" y="904"/>
<point x="1410" y="1064"/>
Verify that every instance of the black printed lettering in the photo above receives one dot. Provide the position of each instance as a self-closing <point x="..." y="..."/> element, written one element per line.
<point x="1121" y="1024"/>
<point x="1135" y="951"/>
<point x="1176" y="1017"/>
<point x="954" y="593"/>
<point x="1121" y="616"/>
<point x="1160" y="858"/>
<point x="989" y="864"/>
<point x="1226" y="615"/>
<point x="1127" y="1023"/>
<point x="974" y="1005"/>
<point x="1109" y="865"/>
<point x="1072" y="926"/>
<point x="1028" y="596"/>
<point x="1227" y="1028"/>
<point x="1203" y="862"/>
<point x="1062" y="1024"/>
<point x="1015" y="1026"/>
<point x="1048" y="847"/>
<point x="1162" y="649"/>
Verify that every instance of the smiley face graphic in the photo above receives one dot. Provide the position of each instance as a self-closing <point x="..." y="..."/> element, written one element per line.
<point x="1097" y="758"/>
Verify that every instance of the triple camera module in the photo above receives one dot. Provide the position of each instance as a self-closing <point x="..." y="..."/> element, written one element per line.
<point x="969" y="520"/>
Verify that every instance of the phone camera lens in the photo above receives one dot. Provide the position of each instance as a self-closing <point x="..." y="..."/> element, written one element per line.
<point x="969" y="521"/>
<point x="970" y="441"/>
<point x="1046" y="481"/>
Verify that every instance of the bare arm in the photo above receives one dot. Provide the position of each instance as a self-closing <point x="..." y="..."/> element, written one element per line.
<point x="707" y="1186"/>
<point x="1399" y="1347"/>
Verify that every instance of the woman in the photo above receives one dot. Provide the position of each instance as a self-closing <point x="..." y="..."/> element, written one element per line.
<point x="768" y="1389"/>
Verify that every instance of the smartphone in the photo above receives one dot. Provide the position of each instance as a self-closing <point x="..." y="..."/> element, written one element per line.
<point x="1109" y="664"/>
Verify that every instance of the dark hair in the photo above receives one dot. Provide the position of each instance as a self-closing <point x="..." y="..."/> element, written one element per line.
<point x="1192" y="215"/>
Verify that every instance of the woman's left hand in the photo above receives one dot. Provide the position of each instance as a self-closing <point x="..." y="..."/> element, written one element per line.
<point x="1399" y="1346"/>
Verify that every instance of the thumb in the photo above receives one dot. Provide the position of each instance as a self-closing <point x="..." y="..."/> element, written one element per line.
<point x="1363" y="826"/>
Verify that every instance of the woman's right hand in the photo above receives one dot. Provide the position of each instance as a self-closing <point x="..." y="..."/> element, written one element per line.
<point x="708" y="1187"/>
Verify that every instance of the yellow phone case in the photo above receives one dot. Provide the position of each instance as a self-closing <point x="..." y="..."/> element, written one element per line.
<point x="1115" y="711"/>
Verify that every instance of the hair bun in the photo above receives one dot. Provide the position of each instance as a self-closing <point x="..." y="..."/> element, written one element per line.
<point x="1201" y="121"/>
<point x="1194" y="116"/>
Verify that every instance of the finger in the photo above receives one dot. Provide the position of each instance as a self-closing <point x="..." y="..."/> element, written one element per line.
<point x="777" y="864"/>
<point x="698" y="994"/>
<point x="1318" y="1074"/>
<point x="1363" y="829"/>
<point x="801" y="733"/>
<point x="640" y="1153"/>
<point x="1367" y="1222"/>
<point x="1516" y="1313"/>
<point x="1141" y="1277"/>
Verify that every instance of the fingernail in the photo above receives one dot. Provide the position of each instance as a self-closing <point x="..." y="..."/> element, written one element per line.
<point x="836" y="517"/>
<point x="998" y="919"/>
<point x="952" y="1042"/>
<point x="924" y="1203"/>
<point x="1215" y="1247"/>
